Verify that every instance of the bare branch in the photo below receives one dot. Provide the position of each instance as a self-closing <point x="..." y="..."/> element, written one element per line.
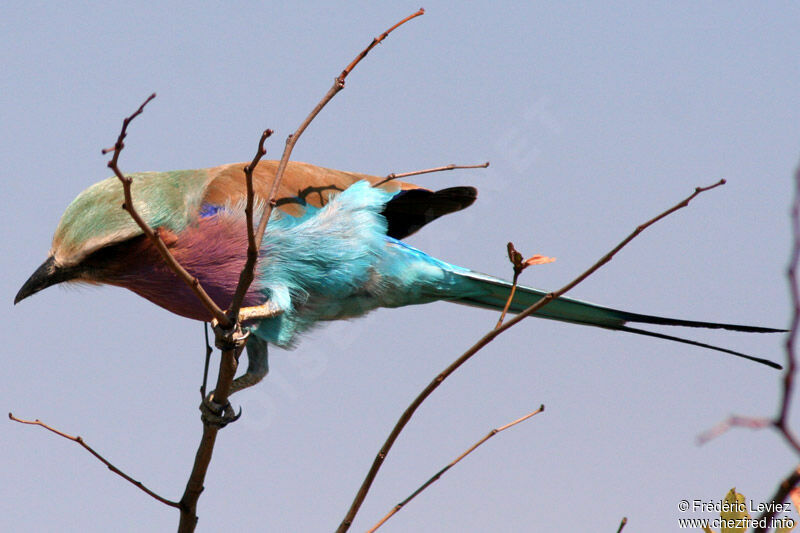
<point x="169" y="259"/>
<point x="781" y="420"/>
<point x="622" y="524"/>
<point x="486" y="339"/>
<point x="508" y="301"/>
<point x="733" y="421"/>
<point x="338" y="85"/>
<point x="194" y="486"/>
<point x="394" y="176"/>
<point x="791" y="359"/>
<point x="79" y="440"/>
<point x="247" y="273"/>
<point x="120" y="144"/>
<point x="455" y="461"/>
<point x="373" y="44"/>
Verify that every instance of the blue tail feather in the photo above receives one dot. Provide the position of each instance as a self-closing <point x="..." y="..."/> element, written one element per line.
<point x="489" y="292"/>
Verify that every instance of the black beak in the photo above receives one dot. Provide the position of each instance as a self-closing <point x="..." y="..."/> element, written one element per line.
<point x="46" y="275"/>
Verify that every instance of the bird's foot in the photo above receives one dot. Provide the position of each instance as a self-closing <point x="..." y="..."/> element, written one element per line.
<point x="229" y="339"/>
<point x="260" y="312"/>
<point x="218" y="415"/>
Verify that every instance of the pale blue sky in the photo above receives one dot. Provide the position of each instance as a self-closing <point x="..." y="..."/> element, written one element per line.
<point x="595" y="118"/>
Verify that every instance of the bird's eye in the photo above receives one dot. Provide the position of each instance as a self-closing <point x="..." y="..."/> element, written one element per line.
<point x="112" y="253"/>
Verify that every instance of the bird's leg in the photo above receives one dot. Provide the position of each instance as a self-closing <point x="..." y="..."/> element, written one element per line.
<point x="257" y="365"/>
<point x="212" y="412"/>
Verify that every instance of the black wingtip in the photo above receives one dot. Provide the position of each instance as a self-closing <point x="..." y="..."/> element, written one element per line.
<point x="411" y="209"/>
<point x="760" y="360"/>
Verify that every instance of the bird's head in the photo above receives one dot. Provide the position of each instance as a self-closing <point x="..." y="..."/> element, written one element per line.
<point x="95" y="226"/>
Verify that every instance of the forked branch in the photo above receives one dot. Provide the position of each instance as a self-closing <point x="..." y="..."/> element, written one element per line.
<point x="154" y="236"/>
<point x="780" y="422"/>
<point x="486" y="339"/>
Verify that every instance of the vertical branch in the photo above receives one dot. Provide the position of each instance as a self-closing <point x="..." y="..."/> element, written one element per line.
<point x="791" y="363"/>
<point x="508" y="301"/>
<point x="194" y="486"/>
<point x="247" y="274"/>
<point x="781" y="421"/>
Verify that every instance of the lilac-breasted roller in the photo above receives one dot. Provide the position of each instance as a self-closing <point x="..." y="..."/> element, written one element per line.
<point x="331" y="251"/>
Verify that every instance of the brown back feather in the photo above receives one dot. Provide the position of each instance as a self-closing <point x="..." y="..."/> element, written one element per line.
<point x="303" y="182"/>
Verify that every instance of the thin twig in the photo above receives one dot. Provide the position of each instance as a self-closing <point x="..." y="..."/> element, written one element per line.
<point x="508" y="301"/>
<point x="622" y="524"/>
<point x="394" y="175"/>
<point x="375" y="42"/>
<point x="455" y="461"/>
<point x="102" y="459"/>
<point x="154" y="236"/>
<point x="486" y="339"/>
<point x="338" y="85"/>
<point x="730" y="422"/>
<point x="247" y="274"/>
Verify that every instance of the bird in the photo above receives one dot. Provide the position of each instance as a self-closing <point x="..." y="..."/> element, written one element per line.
<point x="332" y="250"/>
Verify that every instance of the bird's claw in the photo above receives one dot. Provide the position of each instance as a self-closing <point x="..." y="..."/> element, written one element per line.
<point x="218" y="415"/>
<point x="229" y="339"/>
